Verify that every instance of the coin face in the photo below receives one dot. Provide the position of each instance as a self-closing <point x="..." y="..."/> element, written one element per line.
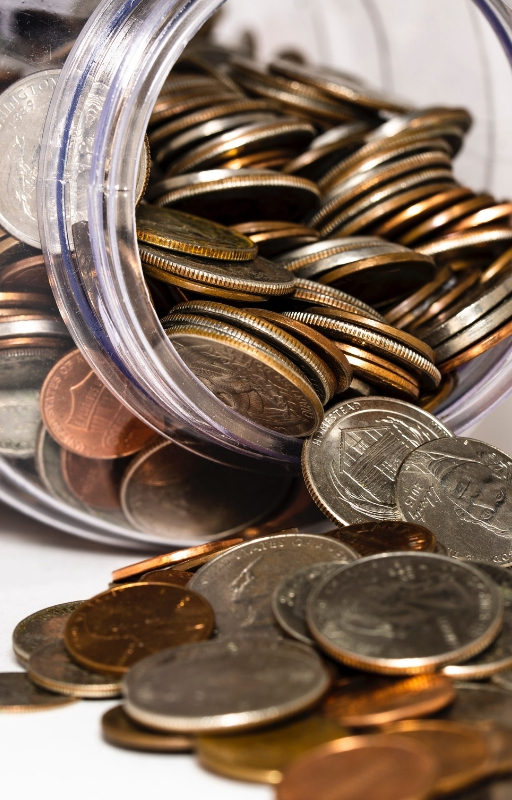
<point x="262" y="756"/>
<point x="25" y="104"/>
<point x="18" y="695"/>
<point x="498" y="656"/>
<point x="92" y="481"/>
<point x="350" y="464"/>
<point x="19" y="422"/>
<point x="291" y="594"/>
<point x="40" y="628"/>
<point x="83" y="416"/>
<point x="370" y="538"/>
<point x="51" y="667"/>
<point x="368" y="614"/>
<point x="459" y="488"/>
<point x="115" y="629"/>
<point x="360" y="767"/>
<point x="366" y="700"/>
<point x="120" y="730"/>
<point x="176" y="495"/>
<point x="226" y="685"/>
<point x="188" y="234"/>
<point x="239" y="582"/>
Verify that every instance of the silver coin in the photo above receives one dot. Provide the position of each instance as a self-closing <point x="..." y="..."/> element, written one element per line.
<point x="239" y="583"/>
<point x="19" y="422"/>
<point x="51" y="668"/>
<point x="327" y="247"/>
<point x="221" y="686"/>
<point x="462" y="490"/>
<point x="290" y="597"/>
<point x="33" y="324"/>
<point x="479" y="702"/>
<point x="498" y="656"/>
<point x="405" y="613"/>
<point x="23" y="109"/>
<point x="40" y="628"/>
<point x="350" y="464"/>
<point x="322" y="265"/>
<point x="26" y="367"/>
<point x="478" y="330"/>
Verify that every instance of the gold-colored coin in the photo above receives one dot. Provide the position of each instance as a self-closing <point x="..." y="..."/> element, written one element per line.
<point x="177" y="578"/>
<point x="459" y="244"/>
<point x="397" y="312"/>
<point x="477" y="349"/>
<point x="446" y="299"/>
<point x="186" y="233"/>
<point x="461" y="751"/>
<point x="437" y="224"/>
<point x="263" y="159"/>
<point x="319" y="294"/>
<point x="394" y="381"/>
<point x="112" y="631"/>
<point x="486" y="216"/>
<point x="120" y="730"/>
<point x="500" y="267"/>
<point x="261" y="756"/>
<point x="431" y="402"/>
<point x="305" y="256"/>
<point x="250" y="376"/>
<point x="174" y="558"/>
<point x="385" y="536"/>
<point x="200" y="288"/>
<point x="415" y="213"/>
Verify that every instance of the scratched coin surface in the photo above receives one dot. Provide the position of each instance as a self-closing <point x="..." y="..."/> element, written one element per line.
<point x="498" y="656"/>
<point x="239" y="583"/>
<point x="290" y="597"/>
<point x="52" y="668"/>
<point x="220" y="686"/>
<point x="83" y="416"/>
<point x="115" y="629"/>
<point x="369" y="613"/>
<point x="18" y="695"/>
<point x="120" y="730"/>
<point x="350" y="464"/>
<point x="40" y="628"/>
<point x="462" y="489"/>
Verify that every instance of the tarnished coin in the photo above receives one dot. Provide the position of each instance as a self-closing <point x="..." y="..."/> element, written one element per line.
<point x="120" y="730"/>
<point x="51" y="667"/>
<point x="115" y="629"/>
<point x="24" y="108"/>
<point x="291" y="594"/>
<point x="18" y="695"/>
<point x="498" y="656"/>
<point x="366" y="700"/>
<point x="461" y="751"/>
<point x="173" y="494"/>
<point x="186" y="233"/>
<point x="220" y="686"/>
<point x="83" y="416"/>
<point x="239" y="583"/>
<point x="350" y="464"/>
<point x="368" y="614"/>
<point x="460" y="489"/>
<point x="360" y="767"/>
<point x="261" y="756"/>
<point x="370" y="538"/>
<point x="41" y="628"/>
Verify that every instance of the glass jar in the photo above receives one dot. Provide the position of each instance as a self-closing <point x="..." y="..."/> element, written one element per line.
<point x="114" y="57"/>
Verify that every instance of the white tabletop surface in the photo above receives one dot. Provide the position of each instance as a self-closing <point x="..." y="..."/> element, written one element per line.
<point x="59" y="753"/>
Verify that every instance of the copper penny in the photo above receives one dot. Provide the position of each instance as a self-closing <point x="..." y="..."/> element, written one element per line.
<point x="477" y="349"/>
<point x="92" y="481"/>
<point x="370" y="538"/>
<point x="366" y="700"/>
<point x="360" y="768"/>
<point x="115" y="629"/>
<point x="83" y="416"/>
<point x="174" y="557"/>
<point x="173" y="576"/>
<point x="120" y="730"/>
<point x="26" y="300"/>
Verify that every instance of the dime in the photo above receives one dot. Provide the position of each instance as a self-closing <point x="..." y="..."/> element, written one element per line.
<point x="41" y="628"/>
<point x="291" y="594"/>
<point x="368" y="614"/>
<point x="239" y="582"/>
<point x="83" y="416"/>
<point x="249" y="376"/>
<point x="174" y="576"/>
<point x="351" y="463"/>
<point x="366" y="700"/>
<point x="211" y="549"/>
<point x="461" y="752"/>
<point x="115" y="629"/>
<point x="51" y="667"/>
<point x="370" y="538"/>
<point x="498" y="656"/>
<point x="262" y="756"/>
<point x="174" y="494"/>
<point x="94" y="482"/>
<point x="185" y="233"/>
<point x="19" y="695"/>
<point x="221" y="686"/>
<point x="459" y="488"/>
<point x="118" y="729"/>
<point x="360" y="767"/>
<point x="25" y="105"/>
